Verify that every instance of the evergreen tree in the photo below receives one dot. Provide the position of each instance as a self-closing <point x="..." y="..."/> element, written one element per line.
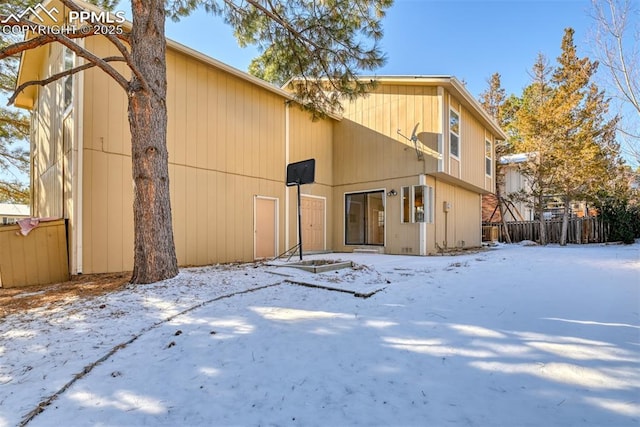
<point x="562" y="123"/>
<point x="532" y="129"/>
<point x="493" y="101"/>
<point x="583" y="142"/>
<point x="619" y="205"/>
<point x="14" y="125"/>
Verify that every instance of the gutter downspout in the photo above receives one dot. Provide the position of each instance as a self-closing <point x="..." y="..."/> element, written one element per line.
<point x="79" y="171"/>
<point x="32" y="143"/>
<point x="286" y="162"/>
<point x="442" y="127"/>
<point x="423" y="225"/>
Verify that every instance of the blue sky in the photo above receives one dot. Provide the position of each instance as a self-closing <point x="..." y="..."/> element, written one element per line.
<point x="470" y="39"/>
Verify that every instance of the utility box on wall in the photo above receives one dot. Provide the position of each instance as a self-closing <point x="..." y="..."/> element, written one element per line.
<point x="39" y="258"/>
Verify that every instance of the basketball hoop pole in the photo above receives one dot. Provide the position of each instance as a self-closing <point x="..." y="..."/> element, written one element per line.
<point x="299" y="222"/>
<point x="297" y="247"/>
<point x="300" y="173"/>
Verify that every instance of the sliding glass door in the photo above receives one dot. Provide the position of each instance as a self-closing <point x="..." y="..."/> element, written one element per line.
<point x="364" y="218"/>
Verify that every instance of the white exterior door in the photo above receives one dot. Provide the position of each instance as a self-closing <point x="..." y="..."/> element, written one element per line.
<point x="313" y="210"/>
<point x="265" y="227"/>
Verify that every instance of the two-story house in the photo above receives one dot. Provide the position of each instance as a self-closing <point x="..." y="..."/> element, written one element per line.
<point x="230" y="138"/>
<point x="431" y="188"/>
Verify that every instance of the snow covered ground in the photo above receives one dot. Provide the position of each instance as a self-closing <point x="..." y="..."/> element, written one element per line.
<point x="511" y="336"/>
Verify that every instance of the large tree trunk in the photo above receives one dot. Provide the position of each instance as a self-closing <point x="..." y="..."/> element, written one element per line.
<point x="154" y="249"/>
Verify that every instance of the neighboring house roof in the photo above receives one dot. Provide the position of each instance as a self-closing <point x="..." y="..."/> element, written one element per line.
<point x="14" y="210"/>
<point x="517" y="158"/>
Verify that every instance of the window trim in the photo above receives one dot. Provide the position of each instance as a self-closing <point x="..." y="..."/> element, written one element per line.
<point x="457" y="113"/>
<point x="345" y="222"/>
<point x="405" y="195"/>
<point x="488" y="160"/>
<point x="415" y="213"/>
<point x="427" y="203"/>
<point x="70" y="78"/>
<point x="430" y="212"/>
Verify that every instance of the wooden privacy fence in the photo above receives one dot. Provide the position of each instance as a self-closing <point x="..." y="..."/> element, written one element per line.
<point x="38" y="258"/>
<point x="580" y="230"/>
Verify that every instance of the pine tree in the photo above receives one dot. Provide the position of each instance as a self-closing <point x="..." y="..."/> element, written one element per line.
<point x="562" y="123"/>
<point x="584" y="147"/>
<point x="493" y="101"/>
<point x="14" y="125"/>
<point x="533" y="126"/>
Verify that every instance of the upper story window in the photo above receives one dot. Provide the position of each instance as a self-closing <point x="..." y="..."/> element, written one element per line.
<point x="487" y="157"/>
<point x="67" y="83"/>
<point x="454" y="132"/>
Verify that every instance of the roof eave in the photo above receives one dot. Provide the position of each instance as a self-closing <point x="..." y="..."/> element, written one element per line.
<point x="26" y="98"/>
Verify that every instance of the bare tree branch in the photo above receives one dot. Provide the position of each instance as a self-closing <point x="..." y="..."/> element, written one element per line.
<point x="68" y="42"/>
<point x="58" y="76"/>
<point x="118" y="44"/>
<point x="616" y="41"/>
<point x="100" y="63"/>
<point x="614" y="56"/>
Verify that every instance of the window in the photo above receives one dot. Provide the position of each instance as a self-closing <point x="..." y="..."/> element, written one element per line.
<point x="454" y="133"/>
<point x="364" y="218"/>
<point x="487" y="157"/>
<point x="428" y="212"/>
<point x="406" y="203"/>
<point x="417" y="204"/>
<point x="67" y="82"/>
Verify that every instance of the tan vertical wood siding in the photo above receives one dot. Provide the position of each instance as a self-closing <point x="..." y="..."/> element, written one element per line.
<point x="226" y="142"/>
<point x="36" y="259"/>
<point x="463" y="220"/>
<point x="470" y="167"/>
<point x="227" y="138"/>
<point x="369" y="154"/>
<point x="47" y="153"/>
<point x="473" y="150"/>
<point x="367" y="144"/>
